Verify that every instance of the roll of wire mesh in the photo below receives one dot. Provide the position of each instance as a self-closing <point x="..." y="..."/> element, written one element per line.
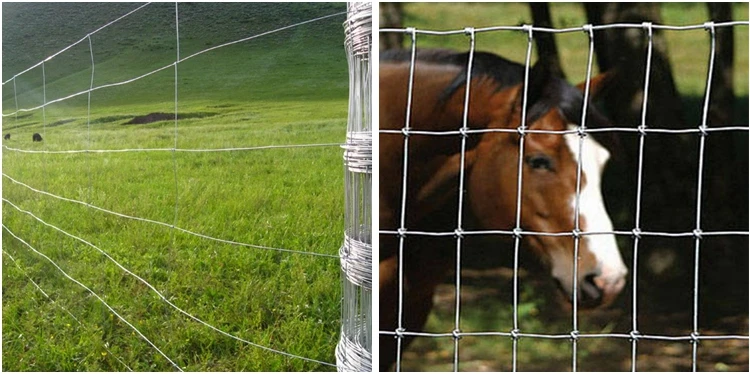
<point x="354" y="350"/>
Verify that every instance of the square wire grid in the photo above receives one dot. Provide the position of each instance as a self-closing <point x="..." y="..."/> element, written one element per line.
<point x="636" y="233"/>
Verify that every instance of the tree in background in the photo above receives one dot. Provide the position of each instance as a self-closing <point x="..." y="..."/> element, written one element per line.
<point x="545" y="42"/>
<point x="391" y="15"/>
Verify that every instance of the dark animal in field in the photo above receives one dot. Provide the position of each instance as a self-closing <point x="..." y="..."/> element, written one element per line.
<point x="36" y="137"/>
<point x="6" y="137"/>
<point x="490" y="163"/>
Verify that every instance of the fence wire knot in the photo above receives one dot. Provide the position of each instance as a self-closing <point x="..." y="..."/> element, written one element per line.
<point x="574" y="335"/>
<point x="401" y="232"/>
<point x="464" y="131"/>
<point x="589" y="29"/>
<point x="694" y="337"/>
<point x="458" y="233"/>
<point x="521" y="131"/>
<point x="642" y="130"/>
<point x="703" y="129"/>
<point x="469" y="31"/>
<point x="709" y="26"/>
<point x="698" y="234"/>
<point x="576" y="233"/>
<point x="634" y="335"/>
<point x="637" y="233"/>
<point x="515" y="334"/>
<point x="405" y="131"/>
<point x="582" y="131"/>
<point x="400" y="333"/>
<point x="456" y="334"/>
<point x="529" y="29"/>
<point x="517" y="233"/>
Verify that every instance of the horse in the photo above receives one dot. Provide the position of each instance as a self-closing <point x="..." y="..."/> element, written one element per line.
<point x="490" y="163"/>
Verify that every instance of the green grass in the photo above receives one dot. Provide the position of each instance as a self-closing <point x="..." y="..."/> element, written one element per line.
<point x="284" y="89"/>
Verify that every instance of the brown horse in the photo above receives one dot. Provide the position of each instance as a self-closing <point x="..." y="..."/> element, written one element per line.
<point x="549" y="178"/>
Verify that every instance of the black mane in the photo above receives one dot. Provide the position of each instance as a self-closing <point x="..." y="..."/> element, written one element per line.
<point x="545" y="90"/>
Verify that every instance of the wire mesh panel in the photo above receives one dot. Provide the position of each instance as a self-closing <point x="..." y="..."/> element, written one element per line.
<point x="64" y="200"/>
<point x="408" y="136"/>
<point x="354" y="351"/>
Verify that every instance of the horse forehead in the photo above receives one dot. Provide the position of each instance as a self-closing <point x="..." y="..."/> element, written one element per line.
<point x="595" y="156"/>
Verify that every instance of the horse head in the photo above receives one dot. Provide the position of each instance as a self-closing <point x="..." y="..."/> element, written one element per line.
<point x="549" y="181"/>
<point x="550" y="193"/>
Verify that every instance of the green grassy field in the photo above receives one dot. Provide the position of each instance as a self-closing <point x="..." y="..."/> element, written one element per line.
<point x="287" y="88"/>
<point x="486" y="303"/>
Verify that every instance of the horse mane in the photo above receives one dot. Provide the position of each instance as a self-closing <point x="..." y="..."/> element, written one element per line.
<point x="545" y="92"/>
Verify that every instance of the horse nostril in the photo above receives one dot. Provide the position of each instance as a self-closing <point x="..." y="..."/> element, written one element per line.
<point x="590" y="295"/>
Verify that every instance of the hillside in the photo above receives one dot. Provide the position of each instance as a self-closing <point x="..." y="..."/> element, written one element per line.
<point x="308" y="57"/>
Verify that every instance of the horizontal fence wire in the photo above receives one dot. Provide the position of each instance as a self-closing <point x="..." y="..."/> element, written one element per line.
<point x="151" y="287"/>
<point x="87" y="37"/>
<point x="171" y="65"/>
<point x="408" y="132"/>
<point x="518" y="335"/>
<point x="190" y="150"/>
<point x="174" y="65"/>
<point x="516" y="233"/>
<point x="169" y="225"/>
<point x="54" y="302"/>
<point x="585" y="28"/>
<point x="90" y="291"/>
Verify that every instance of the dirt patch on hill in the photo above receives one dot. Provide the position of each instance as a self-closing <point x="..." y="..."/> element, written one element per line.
<point x="160" y="116"/>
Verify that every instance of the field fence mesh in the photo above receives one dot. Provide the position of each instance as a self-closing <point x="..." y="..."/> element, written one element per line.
<point x="574" y="336"/>
<point x="92" y="88"/>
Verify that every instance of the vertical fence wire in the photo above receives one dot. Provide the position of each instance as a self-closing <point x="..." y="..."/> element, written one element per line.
<point x="648" y="27"/>
<point x="634" y="336"/>
<point x="577" y="208"/>
<point x="354" y="350"/>
<point x="402" y="221"/>
<point x="461" y="180"/>
<point x="88" y="120"/>
<point x="517" y="229"/>
<point x="709" y="26"/>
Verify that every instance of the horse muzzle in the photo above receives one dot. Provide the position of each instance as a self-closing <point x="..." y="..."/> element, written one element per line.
<point x="594" y="290"/>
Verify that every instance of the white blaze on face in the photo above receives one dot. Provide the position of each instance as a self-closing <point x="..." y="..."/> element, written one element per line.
<point x="611" y="268"/>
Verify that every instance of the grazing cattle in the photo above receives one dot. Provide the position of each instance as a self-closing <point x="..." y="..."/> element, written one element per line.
<point x="6" y="137"/>
<point x="36" y="137"/>
<point x="490" y="165"/>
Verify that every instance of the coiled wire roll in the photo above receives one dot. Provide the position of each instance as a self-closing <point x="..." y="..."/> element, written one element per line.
<point x="354" y="350"/>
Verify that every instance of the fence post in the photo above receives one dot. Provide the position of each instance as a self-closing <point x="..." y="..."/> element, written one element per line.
<point x="354" y="350"/>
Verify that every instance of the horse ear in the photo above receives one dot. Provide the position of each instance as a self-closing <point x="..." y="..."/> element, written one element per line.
<point x="600" y="83"/>
<point x="539" y="78"/>
<point x="443" y="183"/>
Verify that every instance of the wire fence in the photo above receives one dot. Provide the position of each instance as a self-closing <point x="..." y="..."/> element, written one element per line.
<point x="9" y="205"/>
<point x="634" y="336"/>
<point x="354" y="351"/>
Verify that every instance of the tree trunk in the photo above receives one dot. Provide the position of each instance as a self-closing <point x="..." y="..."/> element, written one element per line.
<point x="391" y="16"/>
<point x="545" y="42"/>
<point x="625" y="50"/>
<point x="722" y="88"/>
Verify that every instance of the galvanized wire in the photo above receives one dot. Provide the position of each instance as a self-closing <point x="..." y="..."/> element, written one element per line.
<point x="637" y="232"/>
<point x="354" y="350"/>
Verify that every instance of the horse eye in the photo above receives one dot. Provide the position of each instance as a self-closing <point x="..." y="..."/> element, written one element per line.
<point x="539" y="161"/>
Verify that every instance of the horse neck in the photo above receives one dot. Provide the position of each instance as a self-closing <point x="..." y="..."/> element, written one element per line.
<point x="490" y="106"/>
